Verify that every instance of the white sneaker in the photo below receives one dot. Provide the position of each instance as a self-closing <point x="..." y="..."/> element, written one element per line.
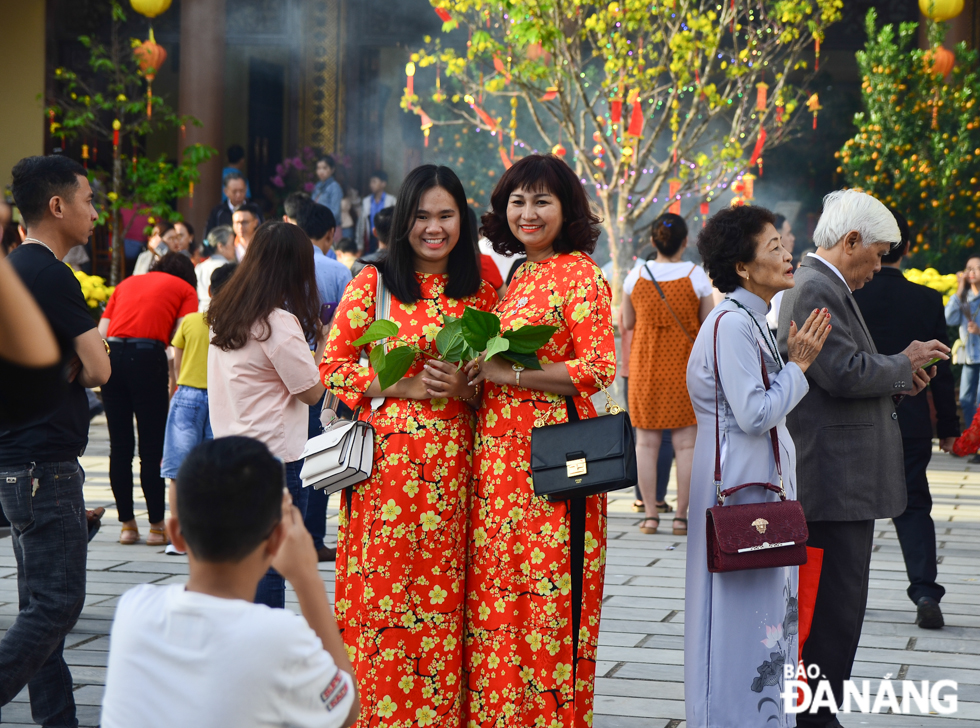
<point x="173" y="550"/>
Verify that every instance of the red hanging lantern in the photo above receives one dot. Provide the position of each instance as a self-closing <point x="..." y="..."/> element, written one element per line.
<point x="499" y="66"/>
<point x="488" y="120"/>
<point x="813" y="104"/>
<point x="426" y="124"/>
<point x="550" y="93"/>
<point x="757" y="151"/>
<point x="779" y="112"/>
<point x="558" y="150"/>
<point x="85" y="156"/>
<point x="816" y="53"/>
<point x="705" y="209"/>
<point x="616" y="109"/>
<point x="635" y="128"/>
<point x="939" y="60"/>
<point x="675" y="186"/>
<point x="443" y="14"/>
<point x="760" y="95"/>
<point x="749" y="182"/>
<point x="116" y="126"/>
<point x="410" y="82"/>
<point x="150" y="56"/>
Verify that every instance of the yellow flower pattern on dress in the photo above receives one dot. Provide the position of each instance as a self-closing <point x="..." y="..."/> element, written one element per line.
<point x="401" y="544"/>
<point x="532" y="662"/>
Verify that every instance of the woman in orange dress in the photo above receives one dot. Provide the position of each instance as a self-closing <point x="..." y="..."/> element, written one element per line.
<point x="401" y="545"/>
<point x="664" y="303"/>
<point x="535" y="569"/>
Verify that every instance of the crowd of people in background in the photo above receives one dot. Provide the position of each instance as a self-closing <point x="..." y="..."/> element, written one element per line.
<point x="462" y="598"/>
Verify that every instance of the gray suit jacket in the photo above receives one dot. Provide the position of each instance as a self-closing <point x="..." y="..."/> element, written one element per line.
<point x="849" y="464"/>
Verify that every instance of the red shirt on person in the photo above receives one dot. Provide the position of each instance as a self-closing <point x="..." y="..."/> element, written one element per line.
<point x="148" y="306"/>
<point x="490" y="272"/>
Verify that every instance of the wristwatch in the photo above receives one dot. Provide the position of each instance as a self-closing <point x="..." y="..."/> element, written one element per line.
<point x="518" y="368"/>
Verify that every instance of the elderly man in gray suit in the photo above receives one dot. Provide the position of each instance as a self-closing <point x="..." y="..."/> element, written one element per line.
<point x="850" y="467"/>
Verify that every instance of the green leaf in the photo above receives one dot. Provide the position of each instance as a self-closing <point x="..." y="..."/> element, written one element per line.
<point x="456" y="349"/>
<point x="479" y="327"/>
<point x="449" y="335"/>
<point x="378" y="330"/>
<point x="377" y="358"/>
<point x="528" y="339"/>
<point x="468" y="353"/>
<point x="530" y="361"/>
<point x="397" y="362"/>
<point x="497" y="345"/>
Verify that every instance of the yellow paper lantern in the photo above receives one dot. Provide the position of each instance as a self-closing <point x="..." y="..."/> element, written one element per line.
<point x="940" y="10"/>
<point x="153" y="8"/>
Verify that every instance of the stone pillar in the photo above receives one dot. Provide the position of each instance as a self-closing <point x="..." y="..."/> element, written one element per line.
<point x="202" y="72"/>
<point x="22" y="121"/>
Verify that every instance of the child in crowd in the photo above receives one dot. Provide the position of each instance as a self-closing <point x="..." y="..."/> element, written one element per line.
<point x="188" y="423"/>
<point x="346" y="251"/>
<point x="202" y="654"/>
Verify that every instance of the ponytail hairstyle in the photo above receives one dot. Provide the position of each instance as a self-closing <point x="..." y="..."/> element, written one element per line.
<point x="668" y="232"/>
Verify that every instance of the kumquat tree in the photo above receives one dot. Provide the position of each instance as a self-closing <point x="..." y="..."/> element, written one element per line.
<point x="651" y="101"/>
<point x="111" y="105"/>
<point x="917" y="146"/>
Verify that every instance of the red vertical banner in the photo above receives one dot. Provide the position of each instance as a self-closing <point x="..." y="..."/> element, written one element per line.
<point x="675" y="205"/>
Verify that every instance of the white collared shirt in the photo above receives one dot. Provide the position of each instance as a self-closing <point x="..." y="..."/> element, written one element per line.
<point x="832" y="267"/>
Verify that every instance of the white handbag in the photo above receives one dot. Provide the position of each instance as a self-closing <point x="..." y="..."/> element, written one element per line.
<point x="341" y="457"/>
<point x="344" y="454"/>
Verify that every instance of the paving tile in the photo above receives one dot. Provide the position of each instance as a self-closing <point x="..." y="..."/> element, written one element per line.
<point x="640" y="656"/>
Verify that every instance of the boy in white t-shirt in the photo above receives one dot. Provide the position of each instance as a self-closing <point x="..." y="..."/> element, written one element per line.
<point x="202" y="654"/>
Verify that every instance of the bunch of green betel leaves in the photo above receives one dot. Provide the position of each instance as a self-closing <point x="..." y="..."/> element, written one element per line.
<point x="459" y="340"/>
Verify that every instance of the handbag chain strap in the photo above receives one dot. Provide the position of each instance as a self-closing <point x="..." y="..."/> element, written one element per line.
<point x="667" y="303"/>
<point x="612" y="407"/>
<point x="772" y="431"/>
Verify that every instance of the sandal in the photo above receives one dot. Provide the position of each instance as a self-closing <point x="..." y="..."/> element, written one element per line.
<point x="646" y="529"/>
<point x="637" y="506"/>
<point x="129" y="535"/>
<point x="664" y="507"/>
<point x="680" y="531"/>
<point x="157" y="537"/>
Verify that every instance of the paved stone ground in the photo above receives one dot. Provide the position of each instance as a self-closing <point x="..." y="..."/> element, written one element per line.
<point x="641" y="655"/>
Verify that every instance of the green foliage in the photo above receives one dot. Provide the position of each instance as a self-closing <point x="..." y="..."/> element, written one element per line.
<point x="539" y="72"/>
<point x="459" y="340"/>
<point x="918" y="141"/>
<point x="108" y="103"/>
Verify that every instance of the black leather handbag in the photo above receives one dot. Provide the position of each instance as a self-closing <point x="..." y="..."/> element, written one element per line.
<point x="583" y="457"/>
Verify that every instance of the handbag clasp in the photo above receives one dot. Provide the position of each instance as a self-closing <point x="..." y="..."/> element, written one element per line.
<point x="576" y="468"/>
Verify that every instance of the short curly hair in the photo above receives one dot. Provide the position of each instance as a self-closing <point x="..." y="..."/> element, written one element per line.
<point x="729" y="237"/>
<point x="543" y="172"/>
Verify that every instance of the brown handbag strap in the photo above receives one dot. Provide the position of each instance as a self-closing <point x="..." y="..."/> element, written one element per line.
<point x="772" y="431"/>
<point x="667" y="303"/>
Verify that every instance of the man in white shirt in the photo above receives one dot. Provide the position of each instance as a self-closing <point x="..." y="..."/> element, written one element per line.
<point x="202" y="654"/>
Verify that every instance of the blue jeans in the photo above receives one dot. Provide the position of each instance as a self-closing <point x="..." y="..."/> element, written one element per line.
<point x="49" y="534"/>
<point x="968" y="392"/>
<point x="188" y="425"/>
<point x="272" y="587"/>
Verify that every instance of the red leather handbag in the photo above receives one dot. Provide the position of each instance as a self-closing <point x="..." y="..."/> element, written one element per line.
<point x="753" y="535"/>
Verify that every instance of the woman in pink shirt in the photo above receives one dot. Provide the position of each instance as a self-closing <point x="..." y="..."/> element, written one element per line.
<point x="262" y="377"/>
